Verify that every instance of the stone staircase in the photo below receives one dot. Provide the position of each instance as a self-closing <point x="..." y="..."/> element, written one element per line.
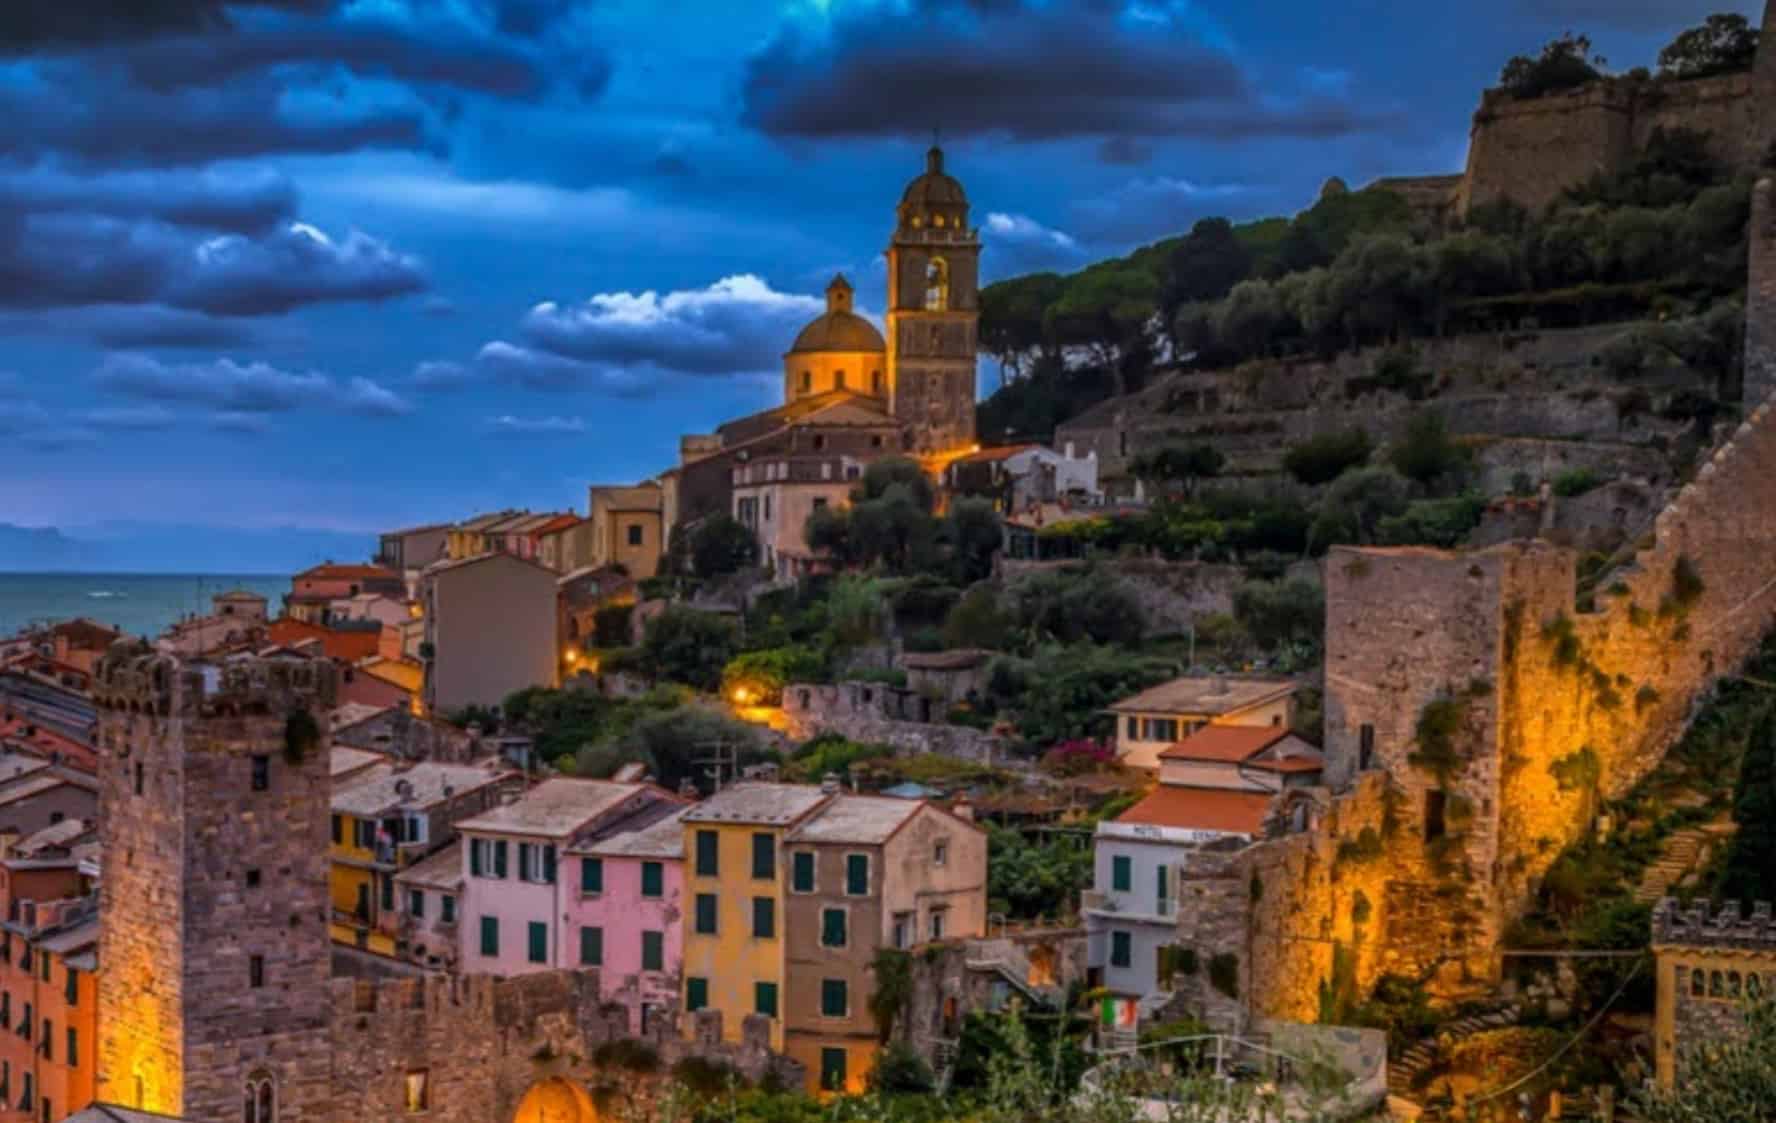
<point x="1405" y="1071"/>
<point x="1683" y="854"/>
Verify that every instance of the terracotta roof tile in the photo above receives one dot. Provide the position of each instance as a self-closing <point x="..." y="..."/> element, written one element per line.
<point x="1228" y="744"/>
<point x="1201" y="809"/>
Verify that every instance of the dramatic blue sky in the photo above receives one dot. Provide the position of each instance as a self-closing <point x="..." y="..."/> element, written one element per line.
<point x="341" y="264"/>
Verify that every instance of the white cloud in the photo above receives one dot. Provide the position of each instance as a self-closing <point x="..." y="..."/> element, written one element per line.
<point x="540" y="370"/>
<point x="1019" y="244"/>
<point x="367" y="397"/>
<point x="441" y="375"/>
<point x="230" y="387"/>
<point x="507" y="425"/>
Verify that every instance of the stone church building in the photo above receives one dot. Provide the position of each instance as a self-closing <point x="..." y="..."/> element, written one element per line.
<point x="851" y="396"/>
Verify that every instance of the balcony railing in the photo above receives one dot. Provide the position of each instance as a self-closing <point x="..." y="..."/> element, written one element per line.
<point x="1122" y="904"/>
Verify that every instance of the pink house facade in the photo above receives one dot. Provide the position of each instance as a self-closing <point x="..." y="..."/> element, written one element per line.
<point x="623" y="915"/>
<point x="518" y="880"/>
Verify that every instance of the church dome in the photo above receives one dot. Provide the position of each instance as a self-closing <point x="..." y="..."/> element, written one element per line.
<point x="839" y="329"/>
<point x="935" y="188"/>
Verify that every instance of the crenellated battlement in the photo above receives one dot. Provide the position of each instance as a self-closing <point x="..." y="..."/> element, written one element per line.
<point x="1731" y="927"/>
<point x="133" y="677"/>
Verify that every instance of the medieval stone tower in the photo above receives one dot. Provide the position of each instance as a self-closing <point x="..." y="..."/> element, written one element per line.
<point x="933" y="311"/>
<point x="213" y="904"/>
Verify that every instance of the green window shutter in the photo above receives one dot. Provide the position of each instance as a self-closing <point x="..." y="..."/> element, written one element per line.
<point x="1165" y="882"/>
<point x="764" y="856"/>
<point x="1121" y="949"/>
<point x="708" y="851"/>
<point x="832" y="1070"/>
<point x="764" y="999"/>
<point x="1122" y="873"/>
<point x="764" y="918"/>
<point x="549" y="864"/>
<point x="490" y="935"/>
<point x="475" y="848"/>
<point x="706" y="914"/>
<point x="416" y="903"/>
<point x="801" y="871"/>
<point x="653" y="879"/>
<point x="653" y="951"/>
<point x="539" y="942"/>
<point x="499" y="858"/>
<point x="696" y="994"/>
<point x="832" y="928"/>
<point x="834" y="1001"/>
<point x="857" y="875"/>
<point x="592" y="947"/>
<point x="591" y="875"/>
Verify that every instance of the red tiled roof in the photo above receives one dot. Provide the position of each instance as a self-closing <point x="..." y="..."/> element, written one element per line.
<point x="988" y="455"/>
<point x="347" y="646"/>
<point x="1226" y="744"/>
<point x="350" y="572"/>
<point x="1201" y="809"/>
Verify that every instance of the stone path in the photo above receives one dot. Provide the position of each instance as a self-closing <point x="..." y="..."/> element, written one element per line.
<point x="1683" y="854"/>
<point x="1404" y="1072"/>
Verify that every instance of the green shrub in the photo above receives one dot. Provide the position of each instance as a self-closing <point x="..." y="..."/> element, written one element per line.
<point x="1440" y="723"/>
<point x="1366" y="847"/>
<point x="1324" y="458"/>
<point x="627" y="1053"/>
<point x="1576" y="481"/>
<point x="705" y="1077"/>
<point x="757" y="678"/>
<point x="901" y="1070"/>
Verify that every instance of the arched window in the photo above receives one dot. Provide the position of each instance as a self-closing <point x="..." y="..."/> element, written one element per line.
<point x="1754" y="985"/>
<point x="1732" y="984"/>
<point x="1698" y="982"/>
<point x="807" y="381"/>
<point x="259" y="1098"/>
<point x="876" y="382"/>
<point x="838" y="380"/>
<point x="1716" y="985"/>
<point x="937" y="285"/>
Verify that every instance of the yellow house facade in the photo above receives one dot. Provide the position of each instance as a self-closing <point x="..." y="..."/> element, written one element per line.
<point x="628" y="528"/>
<point x="734" y="936"/>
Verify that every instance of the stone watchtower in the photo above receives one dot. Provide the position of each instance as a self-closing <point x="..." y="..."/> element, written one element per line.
<point x="933" y="311"/>
<point x="213" y="804"/>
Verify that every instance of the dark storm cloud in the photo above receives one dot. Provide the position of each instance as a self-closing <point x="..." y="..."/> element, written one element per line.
<point x="69" y="260"/>
<point x="434" y="53"/>
<point x="1033" y="71"/>
<point x="31" y="24"/>
<point x="244" y="203"/>
<point x="135" y="326"/>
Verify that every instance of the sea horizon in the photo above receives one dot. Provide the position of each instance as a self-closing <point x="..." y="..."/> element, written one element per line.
<point x="141" y="603"/>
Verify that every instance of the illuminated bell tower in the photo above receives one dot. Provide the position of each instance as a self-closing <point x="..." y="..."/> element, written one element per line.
<point x="933" y="311"/>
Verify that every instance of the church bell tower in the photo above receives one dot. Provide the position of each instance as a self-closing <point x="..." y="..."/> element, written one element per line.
<point x="933" y="312"/>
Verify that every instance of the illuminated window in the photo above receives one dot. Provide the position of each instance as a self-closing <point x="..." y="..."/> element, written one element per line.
<point x="937" y="220"/>
<point x="418" y="1091"/>
<point x="937" y="285"/>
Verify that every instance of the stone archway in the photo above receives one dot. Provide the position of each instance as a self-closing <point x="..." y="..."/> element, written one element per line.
<point x="555" y="1100"/>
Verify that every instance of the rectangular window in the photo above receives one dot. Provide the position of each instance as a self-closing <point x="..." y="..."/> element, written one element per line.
<point x="903" y="930"/>
<point x="388" y="892"/>
<point x="653" y="951"/>
<point x="29" y="1093"/>
<point x="139" y="779"/>
<point x="940" y="854"/>
<point x="591" y="875"/>
<point x="416" y="903"/>
<point x="447" y="908"/>
<point x="635" y="534"/>
<point x="832" y="928"/>
<point x="801" y="871"/>
<point x="1121" y="949"/>
<point x="527" y="862"/>
<point x="255" y="970"/>
<point x="1122" y="873"/>
<point x="73" y="1057"/>
<point x="48" y="1040"/>
<point x="25" y="1025"/>
<point x="764" y="857"/>
<point x="764" y="999"/>
<point x="43" y="967"/>
<point x="764" y="918"/>
<point x="538" y="948"/>
<point x="834" y="1002"/>
<point x="1132" y="729"/>
<point x="490" y="936"/>
<point x="696" y="994"/>
<point x="591" y="947"/>
<point x="499" y="859"/>
<point x="706" y="914"/>
<point x="71" y="987"/>
<point x="338" y="830"/>
<point x="708" y="851"/>
<point x="857" y="875"/>
<point x="653" y="879"/>
<point x="1365" y="747"/>
<point x="832" y="1070"/>
<point x="261" y="772"/>
<point x="477" y="857"/>
<point x="939" y="923"/>
<point x="1163" y="883"/>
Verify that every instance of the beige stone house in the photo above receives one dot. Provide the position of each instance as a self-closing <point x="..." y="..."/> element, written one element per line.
<point x="867" y="873"/>
<point x="1158" y="718"/>
<point x="489" y="630"/>
<point x="627" y="528"/>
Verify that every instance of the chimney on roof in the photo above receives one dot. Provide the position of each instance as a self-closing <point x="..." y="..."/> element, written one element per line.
<point x="829" y="784"/>
<point x="963" y="809"/>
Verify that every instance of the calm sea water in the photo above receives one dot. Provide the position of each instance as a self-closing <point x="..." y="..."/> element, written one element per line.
<point x="140" y="604"/>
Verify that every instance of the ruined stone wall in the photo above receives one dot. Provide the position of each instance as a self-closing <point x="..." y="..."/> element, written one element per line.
<point x="871" y="713"/>
<point x="1531" y="151"/>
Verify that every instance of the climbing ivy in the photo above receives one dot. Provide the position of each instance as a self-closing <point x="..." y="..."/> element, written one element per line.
<point x="301" y="734"/>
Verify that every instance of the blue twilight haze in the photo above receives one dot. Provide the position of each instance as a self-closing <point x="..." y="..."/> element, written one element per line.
<point x="335" y="265"/>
